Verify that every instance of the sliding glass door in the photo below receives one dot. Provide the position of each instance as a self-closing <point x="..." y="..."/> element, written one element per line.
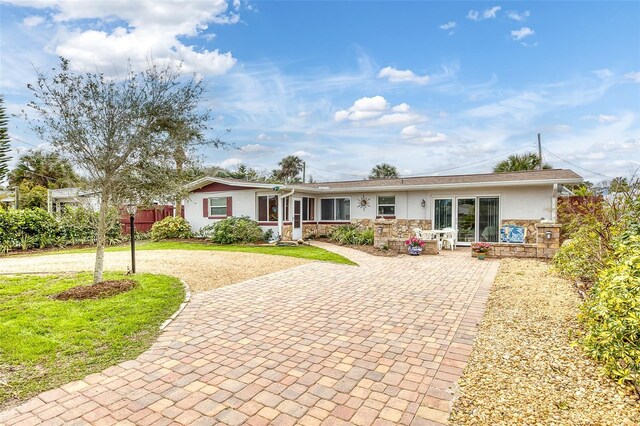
<point x="466" y="219"/>
<point x="475" y="218"/>
<point x="443" y="213"/>
<point x="488" y="218"/>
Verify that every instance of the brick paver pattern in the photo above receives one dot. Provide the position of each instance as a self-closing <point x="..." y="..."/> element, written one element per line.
<point x="382" y="343"/>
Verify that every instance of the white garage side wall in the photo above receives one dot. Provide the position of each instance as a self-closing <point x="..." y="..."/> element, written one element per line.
<point x="243" y="202"/>
<point x="524" y="202"/>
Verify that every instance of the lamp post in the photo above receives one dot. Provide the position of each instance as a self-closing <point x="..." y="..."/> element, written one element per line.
<point x="131" y="209"/>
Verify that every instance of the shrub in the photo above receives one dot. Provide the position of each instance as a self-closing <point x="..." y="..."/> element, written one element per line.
<point x="581" y="257"/>
<point x="79" y="226"/>
<point x="611" y="314"/>
<point x="171" y="227"/>
<point x="27" y="228"/>
<point x="234" y="230"/>
<point x="351" y="234"/>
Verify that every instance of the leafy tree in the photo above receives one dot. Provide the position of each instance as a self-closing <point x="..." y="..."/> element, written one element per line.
<point x="242" y="172"/>
<point x="5" y="146"/>
<point x="33" y="196"/>
<point x="290" y="168"/>
<point x="383" y="171"/>
<point x="520" y="162"/>
<point x="46" y="169"/>
<point x="121" y="132"/>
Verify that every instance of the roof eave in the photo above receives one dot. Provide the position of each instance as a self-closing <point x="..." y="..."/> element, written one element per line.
<point x="197" y="184"/>
<point x="409" y="187"/>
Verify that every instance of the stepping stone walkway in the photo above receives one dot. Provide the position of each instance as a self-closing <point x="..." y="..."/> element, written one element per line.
<point x="379" y="344"/>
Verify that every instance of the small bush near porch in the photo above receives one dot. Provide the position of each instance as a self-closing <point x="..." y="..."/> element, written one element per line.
<point x="45" y="342"/>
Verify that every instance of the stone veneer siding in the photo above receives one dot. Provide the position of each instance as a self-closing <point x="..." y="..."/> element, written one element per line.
<point x="542" y="248"/>
<point x="391" y="228"/>
<point x="529" y="224"/>
<point x="385" y="229"/>
<point x="397" y="245"/>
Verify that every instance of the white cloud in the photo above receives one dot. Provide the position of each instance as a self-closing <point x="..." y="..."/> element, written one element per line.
<point x="414" y="135"/>
<point x="448" y="26"/>
<point x="230" y="162"/>
<point x="363" y="109"/>
<point x="302" y="154"/>
<point x="151" y="29"/>
<point x="633" y="76"/>
<point x="474" y="15"/>
<point x="603" y="73"/>
<point x="522" y="33"/>
<point x="32" y="21"/>
<point x="375" y="111"/>
<point x="403" y="107"/>
<point x="263" y="137"/>
<point x="517" y="16"/>
<point x="400" y="76"/>
<point x="254" y="147"/>
<point x="601" y="118"/>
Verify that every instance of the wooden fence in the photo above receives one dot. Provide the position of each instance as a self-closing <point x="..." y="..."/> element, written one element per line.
<point x="145" y="218"/>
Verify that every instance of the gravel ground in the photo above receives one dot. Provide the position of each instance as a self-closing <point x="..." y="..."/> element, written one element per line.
<point x="523" y="369"/>
<point x="202" y="270"/>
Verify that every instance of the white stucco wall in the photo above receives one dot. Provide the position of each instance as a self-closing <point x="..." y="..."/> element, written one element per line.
<point x="531" y="202"/>
<point x="244" y="204"/>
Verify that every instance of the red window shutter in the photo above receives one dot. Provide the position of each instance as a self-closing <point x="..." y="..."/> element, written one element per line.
<point x="263" y="215"/>
<point x="205" y="207"/>
<point x="229" y="206"/>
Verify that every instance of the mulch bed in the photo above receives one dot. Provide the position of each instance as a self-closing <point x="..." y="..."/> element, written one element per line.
<point x="96" y="291"/>
<point x="525" y="368"/>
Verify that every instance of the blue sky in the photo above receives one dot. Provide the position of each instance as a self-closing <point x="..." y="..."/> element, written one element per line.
<point x="431" y="87"/>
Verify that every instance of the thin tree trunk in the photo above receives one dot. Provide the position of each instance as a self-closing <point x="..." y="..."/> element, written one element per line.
<point x="101" y="239"/>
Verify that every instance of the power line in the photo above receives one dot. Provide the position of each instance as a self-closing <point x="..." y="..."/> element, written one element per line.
<point x="471" y="164"/>
<point x="575" y="165"/>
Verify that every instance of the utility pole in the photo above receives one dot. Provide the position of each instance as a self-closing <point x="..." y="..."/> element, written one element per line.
<point x="304" y="171"/>
<point x="539" y="153"/>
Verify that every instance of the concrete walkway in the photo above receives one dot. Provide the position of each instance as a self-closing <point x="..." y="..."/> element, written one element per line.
<point x="382" y="343"/>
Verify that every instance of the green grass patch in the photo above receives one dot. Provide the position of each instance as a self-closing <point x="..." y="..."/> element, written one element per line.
<point x="302" y="251"/>
<point x="45" y="343"/>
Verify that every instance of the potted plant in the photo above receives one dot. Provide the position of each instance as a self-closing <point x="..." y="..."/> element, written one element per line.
<point x="414" y="246"/>
<point x="481" y="249"/>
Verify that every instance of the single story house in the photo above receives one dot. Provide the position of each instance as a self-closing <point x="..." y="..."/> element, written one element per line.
<point x="477" y="205"/>
<point x="59" y="199"/>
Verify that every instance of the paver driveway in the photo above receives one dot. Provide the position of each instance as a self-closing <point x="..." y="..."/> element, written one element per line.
<point x="382" y="343"/>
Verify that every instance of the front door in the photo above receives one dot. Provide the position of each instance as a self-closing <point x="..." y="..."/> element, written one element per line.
<point x="297" y="219"/>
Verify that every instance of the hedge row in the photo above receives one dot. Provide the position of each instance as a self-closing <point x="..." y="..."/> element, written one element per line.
<point x="24" y="229"/>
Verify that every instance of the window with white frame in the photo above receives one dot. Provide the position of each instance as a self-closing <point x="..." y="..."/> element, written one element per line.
<point x="335" y="209"/>
<point x="386" y="205"/>
<point x="218" y="206"/>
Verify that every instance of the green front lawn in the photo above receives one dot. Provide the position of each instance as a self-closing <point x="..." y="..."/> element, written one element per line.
<point x="303" y="251"/>
<point x="45" y="343"/>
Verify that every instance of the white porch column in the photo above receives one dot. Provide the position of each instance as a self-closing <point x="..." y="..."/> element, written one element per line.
<point x="280" y="215"/>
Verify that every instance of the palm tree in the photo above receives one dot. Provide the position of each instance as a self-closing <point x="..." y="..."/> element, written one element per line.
<point x="290" y="168"/>
<point x="520" y="162"/>
<point x="383" y="171"/>
<point x="46" y="169"/>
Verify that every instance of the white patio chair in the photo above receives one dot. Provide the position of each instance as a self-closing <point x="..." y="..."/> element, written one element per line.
<point x="450" y="238"/>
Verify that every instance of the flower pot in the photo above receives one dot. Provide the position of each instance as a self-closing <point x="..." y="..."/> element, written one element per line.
<point x="414" y="251"/>
<point x="481" y="256"/>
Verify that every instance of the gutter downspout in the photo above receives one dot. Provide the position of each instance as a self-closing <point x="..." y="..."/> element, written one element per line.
<point x="281" y="211"/>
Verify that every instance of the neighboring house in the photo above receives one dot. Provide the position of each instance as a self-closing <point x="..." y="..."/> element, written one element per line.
<point x="7" y="198"/>
<point x="476" y="204"/>
<point x="59" y="199"/>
